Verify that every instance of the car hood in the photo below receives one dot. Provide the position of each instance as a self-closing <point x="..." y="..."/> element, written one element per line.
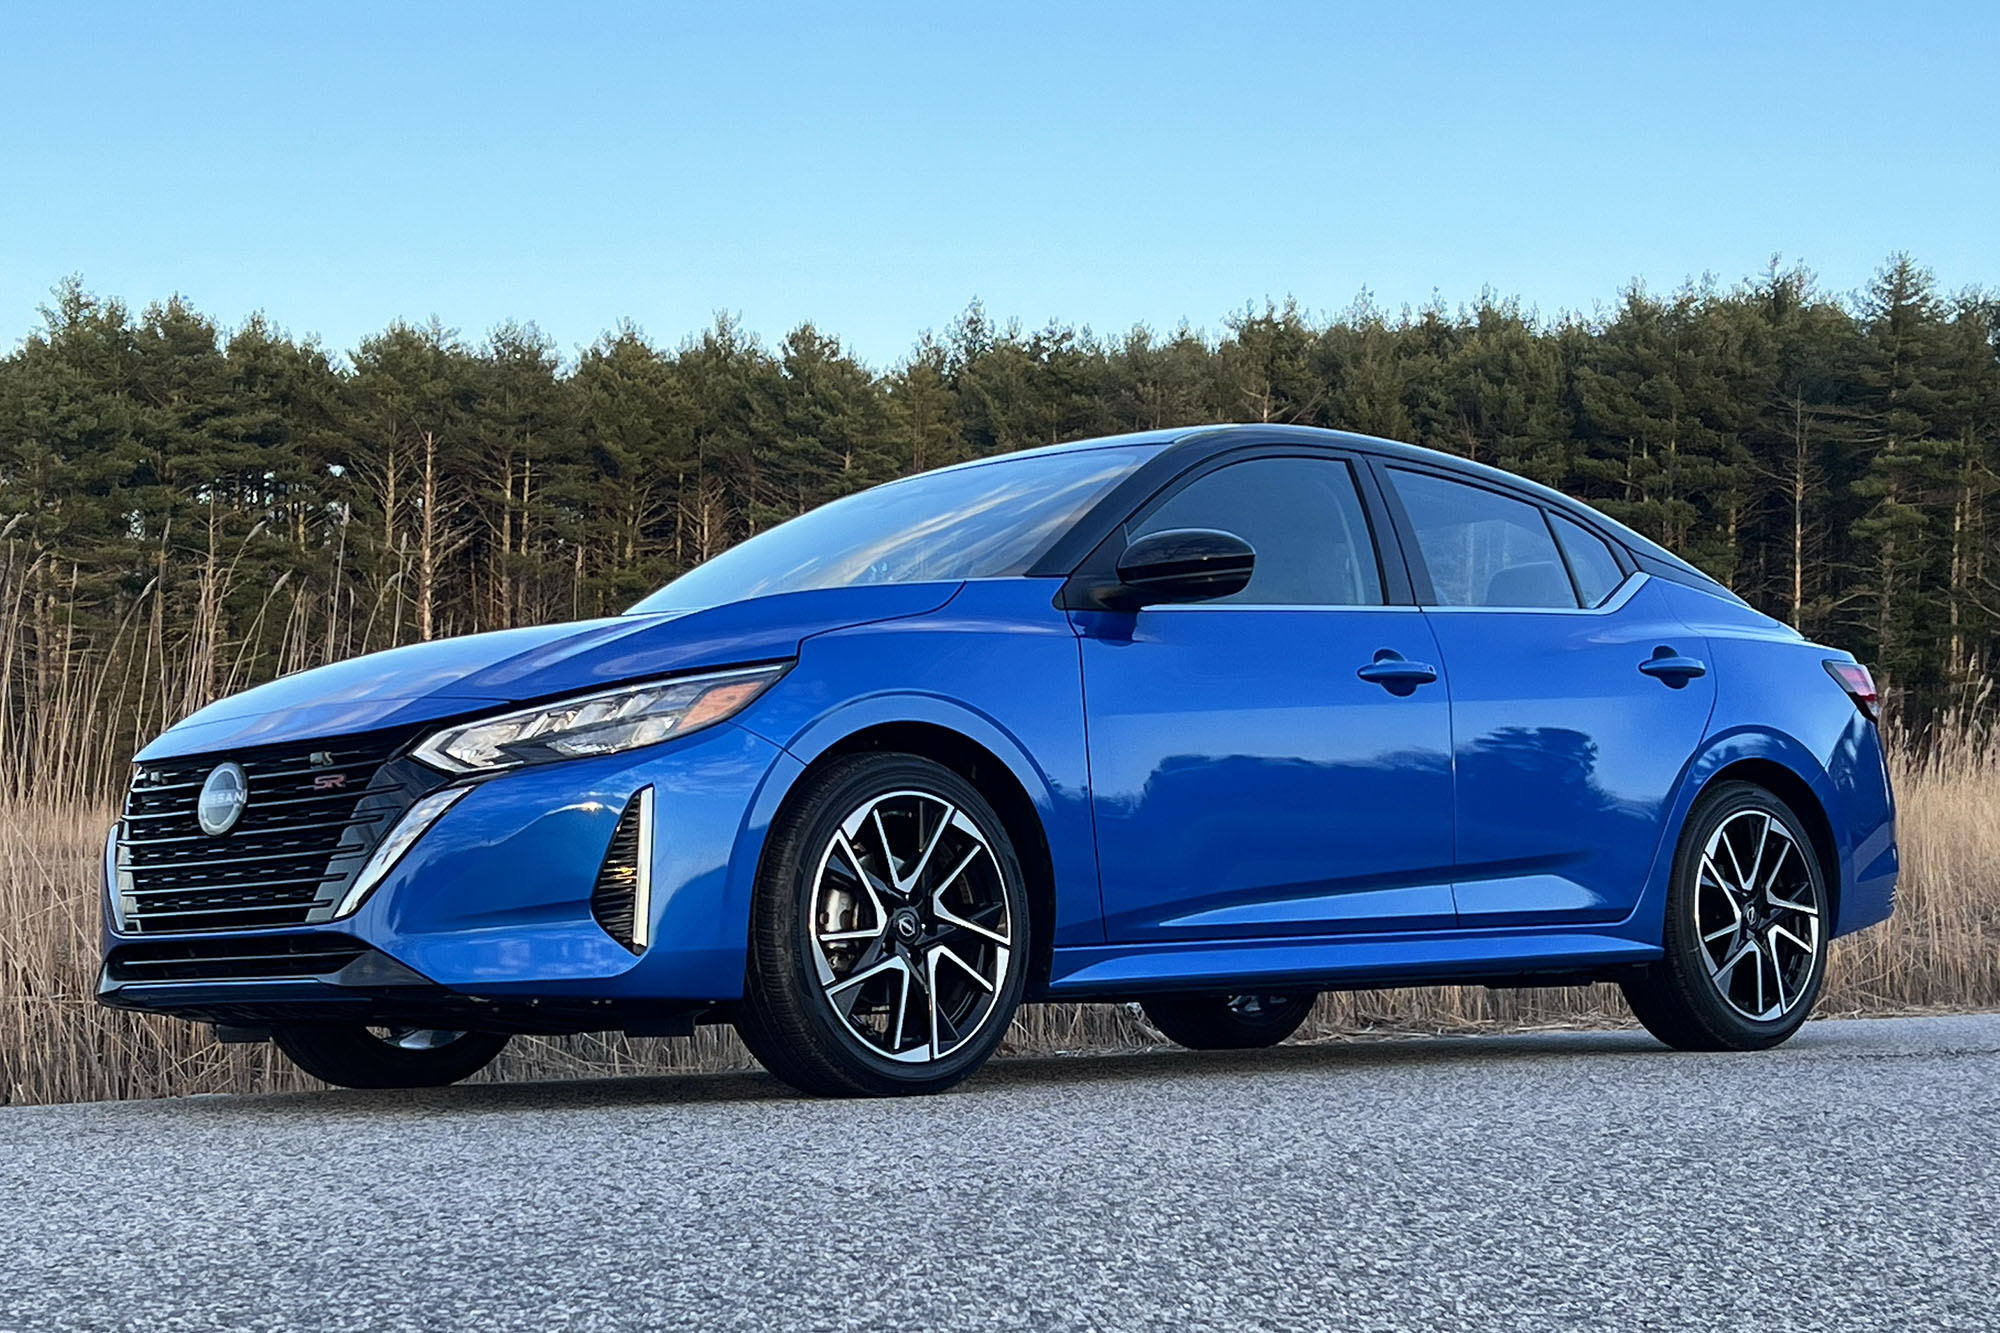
<point x="449" y="677"/>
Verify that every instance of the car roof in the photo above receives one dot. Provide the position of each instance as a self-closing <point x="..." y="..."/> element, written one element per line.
<point x="1158" y="439"/>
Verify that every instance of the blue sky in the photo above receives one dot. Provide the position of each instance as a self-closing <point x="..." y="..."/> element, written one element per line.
<point x="873" y="168"/>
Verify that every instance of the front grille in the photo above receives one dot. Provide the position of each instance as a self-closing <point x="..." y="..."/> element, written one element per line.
<point x="252" y="958"/>
<point x="315" y="811"/>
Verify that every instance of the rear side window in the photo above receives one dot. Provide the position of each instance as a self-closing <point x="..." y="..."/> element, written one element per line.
<point x="1302" y="516"/>
<point x="1483" y="548"/>
<point x="1590" y="560"/>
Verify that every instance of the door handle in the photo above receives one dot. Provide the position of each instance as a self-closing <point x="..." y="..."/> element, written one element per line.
<point x="1396" y="673"/>
<point x="1667" y="665"/>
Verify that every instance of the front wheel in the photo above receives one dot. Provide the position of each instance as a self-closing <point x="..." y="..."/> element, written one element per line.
<point x="355" y="1055"/>
<point x="1228" y="1022"/>
<point x="889" y="932"/>
<point x="1746" y="931"/>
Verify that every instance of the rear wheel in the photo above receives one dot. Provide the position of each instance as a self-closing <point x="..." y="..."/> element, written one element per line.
<point x="1228" y="1022"/>
<point x="889" y="933"/>
<point x="1746" y="930"/>
<point x="354" y="1055"/>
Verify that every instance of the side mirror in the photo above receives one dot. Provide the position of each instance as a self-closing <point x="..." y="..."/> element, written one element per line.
<point x="1181" y="565"/>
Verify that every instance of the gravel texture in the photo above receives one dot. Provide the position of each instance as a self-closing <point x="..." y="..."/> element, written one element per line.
<point x="1542" y="1181"/>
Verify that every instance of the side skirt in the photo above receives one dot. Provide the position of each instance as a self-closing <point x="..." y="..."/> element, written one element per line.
<point x="1346" y="963"/>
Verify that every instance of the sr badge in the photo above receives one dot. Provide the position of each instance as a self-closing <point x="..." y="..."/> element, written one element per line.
<point x="223" y="797"/>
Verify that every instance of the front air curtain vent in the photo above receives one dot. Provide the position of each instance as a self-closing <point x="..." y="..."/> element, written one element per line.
<point x="622" y="900"/>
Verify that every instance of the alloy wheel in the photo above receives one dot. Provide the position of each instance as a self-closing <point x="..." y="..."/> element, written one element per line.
<point x="911" y="931"/>
<point x="1757" y="914"/>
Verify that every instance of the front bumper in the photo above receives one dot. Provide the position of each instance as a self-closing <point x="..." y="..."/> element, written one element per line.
<point x="487" y="918"/>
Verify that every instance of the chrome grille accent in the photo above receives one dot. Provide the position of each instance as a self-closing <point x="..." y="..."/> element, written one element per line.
<point x="315" y="812"/>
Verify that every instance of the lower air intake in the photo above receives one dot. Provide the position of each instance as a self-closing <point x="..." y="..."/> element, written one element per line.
<point x="622" y="898"/>
<point x="253" y="958"/>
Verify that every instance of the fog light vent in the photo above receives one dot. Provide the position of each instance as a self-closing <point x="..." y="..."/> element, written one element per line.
<point x="622" y="900"/>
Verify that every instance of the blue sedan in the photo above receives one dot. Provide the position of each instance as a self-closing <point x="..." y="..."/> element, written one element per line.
<point x="1211" y="719"/>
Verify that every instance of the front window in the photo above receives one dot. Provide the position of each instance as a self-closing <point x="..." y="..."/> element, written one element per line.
<point x="1303" y="518"/>
<point x="986" y="520"/>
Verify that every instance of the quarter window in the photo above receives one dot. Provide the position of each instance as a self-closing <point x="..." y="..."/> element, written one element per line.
<point x="1590" y="560"/>
<point x="1302" y="516"/>
<point x="1483" y="548"/>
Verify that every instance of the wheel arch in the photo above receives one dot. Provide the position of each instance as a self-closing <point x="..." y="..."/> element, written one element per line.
<point x="1801" y="800"/>
<point x="1780" y="764"/>
<point x="995" y="778"/>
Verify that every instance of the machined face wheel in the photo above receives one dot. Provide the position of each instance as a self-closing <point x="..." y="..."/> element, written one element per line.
<point x="1758" y="915"/>
<point x="912" y="935"/>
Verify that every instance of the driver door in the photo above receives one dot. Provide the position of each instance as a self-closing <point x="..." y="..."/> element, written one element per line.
<point x="1245" y="781"/>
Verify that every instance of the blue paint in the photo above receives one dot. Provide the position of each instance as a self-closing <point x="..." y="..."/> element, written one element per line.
<point x="1215" y="795"/>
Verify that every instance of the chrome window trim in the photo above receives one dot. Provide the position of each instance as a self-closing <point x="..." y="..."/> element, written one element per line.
<point x="1278" y="606"/>
<point x="1624" y="593"/>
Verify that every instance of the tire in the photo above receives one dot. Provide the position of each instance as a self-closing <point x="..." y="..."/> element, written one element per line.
<point x="1228" y="1022"/>
<point x="1701" y="995"/>
<point x="876" y="969"/>
<point x="354" y="1055"/>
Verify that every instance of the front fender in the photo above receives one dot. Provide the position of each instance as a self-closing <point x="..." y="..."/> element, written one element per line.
<point x="999" y="668"/>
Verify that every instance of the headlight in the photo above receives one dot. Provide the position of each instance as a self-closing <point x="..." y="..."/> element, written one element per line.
<point x="594" y="724"/>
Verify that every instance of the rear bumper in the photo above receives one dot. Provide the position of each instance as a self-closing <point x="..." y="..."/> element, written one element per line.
<point x="487" y="921"/>
<point x="1872" y="859"/>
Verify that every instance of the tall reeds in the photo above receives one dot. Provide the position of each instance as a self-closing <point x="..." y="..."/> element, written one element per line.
<point x="1940" y="951"/>
<point x="74" y="707"/>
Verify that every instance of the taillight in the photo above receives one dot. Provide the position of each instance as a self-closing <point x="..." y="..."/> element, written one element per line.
<point x="1860" y="687"/>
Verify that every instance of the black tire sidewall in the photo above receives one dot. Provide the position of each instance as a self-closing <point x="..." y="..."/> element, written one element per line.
<point x="782" y="917"/>
<point x="1204" y="1021"/>
<point x="1687" y="961"/>
<point x="348" y="1055"/>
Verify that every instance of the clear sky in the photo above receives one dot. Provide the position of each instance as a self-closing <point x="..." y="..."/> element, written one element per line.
<point x="872" y="167"/>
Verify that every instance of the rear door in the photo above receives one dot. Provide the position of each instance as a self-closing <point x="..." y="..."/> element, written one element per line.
<point x="1245" y="780"/>
<point x="1576" y="700"/>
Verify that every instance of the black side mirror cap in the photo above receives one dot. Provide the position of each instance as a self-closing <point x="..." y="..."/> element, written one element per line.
<point x="1177" y="565"/>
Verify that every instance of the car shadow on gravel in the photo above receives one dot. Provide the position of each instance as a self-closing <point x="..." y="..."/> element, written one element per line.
<point x="1149" y="1065"/>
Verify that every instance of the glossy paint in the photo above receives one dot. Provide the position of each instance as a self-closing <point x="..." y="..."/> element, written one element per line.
<point x="473" y="673"/>
<point x="1237" y="755"/>
<point x="1771" y="712"/>
<point x="1203" y="797"/>
<point x="495" y="899"/>
<point x="1565" y="754"/>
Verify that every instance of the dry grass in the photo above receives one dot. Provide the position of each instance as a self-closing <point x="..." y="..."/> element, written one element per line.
<point x="1942" y="950"/>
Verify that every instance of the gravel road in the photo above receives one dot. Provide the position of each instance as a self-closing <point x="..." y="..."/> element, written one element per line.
<point x="1570" y="1180"/>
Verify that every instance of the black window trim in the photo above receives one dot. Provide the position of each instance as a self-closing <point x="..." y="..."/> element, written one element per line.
<point x="1100" y="565"/>
<point x="1549" y="517"/>
<point x="1419" y="573"/>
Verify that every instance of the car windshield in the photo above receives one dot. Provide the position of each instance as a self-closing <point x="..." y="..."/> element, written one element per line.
<point x="987" y="520"/>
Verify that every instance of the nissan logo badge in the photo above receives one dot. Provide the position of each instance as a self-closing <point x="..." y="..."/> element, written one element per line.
<point x="223" y="797"/>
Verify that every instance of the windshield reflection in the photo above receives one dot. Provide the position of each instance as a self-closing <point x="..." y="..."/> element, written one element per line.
<point x="987" y="520"/>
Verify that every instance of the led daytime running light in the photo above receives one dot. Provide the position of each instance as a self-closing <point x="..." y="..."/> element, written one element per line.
<point x="596" y="724"/>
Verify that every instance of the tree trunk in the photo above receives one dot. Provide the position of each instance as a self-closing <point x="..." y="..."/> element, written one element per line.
<point x="427" y="540"/>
